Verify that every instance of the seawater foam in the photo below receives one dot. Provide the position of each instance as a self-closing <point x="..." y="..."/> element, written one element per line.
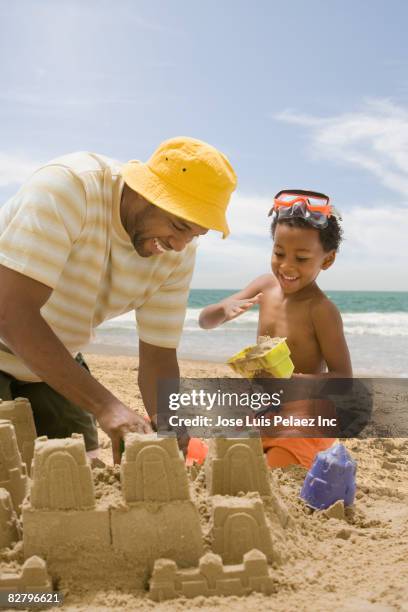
<point x="376" y="323"/>
<point x="355" y="323"/>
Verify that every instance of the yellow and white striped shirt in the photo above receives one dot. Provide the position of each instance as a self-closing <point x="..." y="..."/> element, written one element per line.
<point x="63" y="229"/>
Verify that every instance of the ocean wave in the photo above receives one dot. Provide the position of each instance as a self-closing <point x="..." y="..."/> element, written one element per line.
<point x="248" y="319"/>
<point x="355" y="323"/>
<point x="376" y="323"/>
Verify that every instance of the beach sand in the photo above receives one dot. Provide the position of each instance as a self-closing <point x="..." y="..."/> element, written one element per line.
<point x="356" y="563"/>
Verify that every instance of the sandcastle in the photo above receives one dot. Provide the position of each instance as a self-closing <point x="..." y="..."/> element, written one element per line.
<point x="211" y="578"/>
<point x="13" y="472"/>
<point x="19" y="412"/>
<point x="62" y="478"/>
<point x="9" y="532"/>
<point x="238" y="525"/>
<point x="33" y="578"/>
<point x="235" y="465"/>
<point x="155" y="516"/>
<point x="152" y="522"/>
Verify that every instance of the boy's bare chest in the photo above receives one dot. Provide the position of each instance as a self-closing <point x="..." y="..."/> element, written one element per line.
<point x="292" y="320"/>
<point x="285" y="319"/>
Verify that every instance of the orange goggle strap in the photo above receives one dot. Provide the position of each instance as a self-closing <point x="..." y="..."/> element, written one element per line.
<point x="325" y="209"/>
<point x="300" y="195"/>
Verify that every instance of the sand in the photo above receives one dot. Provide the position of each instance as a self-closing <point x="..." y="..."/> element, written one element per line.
<point x="350" y="560"/>
<point x="263" y="345"/>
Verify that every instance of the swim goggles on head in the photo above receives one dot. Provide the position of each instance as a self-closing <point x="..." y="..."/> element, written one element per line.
<point x="311" y="206"/>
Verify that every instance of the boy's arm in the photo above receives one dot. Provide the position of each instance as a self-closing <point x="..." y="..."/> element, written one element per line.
<point x="234" y="305"/>
<point x="328" y="327"/>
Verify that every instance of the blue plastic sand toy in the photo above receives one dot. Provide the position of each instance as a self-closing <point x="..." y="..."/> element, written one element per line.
<point x="331" y="477"/>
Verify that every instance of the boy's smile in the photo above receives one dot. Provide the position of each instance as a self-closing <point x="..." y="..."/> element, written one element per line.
<point x="298" y="256"/>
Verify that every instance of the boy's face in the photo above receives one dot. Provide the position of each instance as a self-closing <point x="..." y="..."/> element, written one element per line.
<point x="298" y="257"/>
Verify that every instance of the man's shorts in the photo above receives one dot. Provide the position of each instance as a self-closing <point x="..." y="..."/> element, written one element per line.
<point x="54" y="415"/>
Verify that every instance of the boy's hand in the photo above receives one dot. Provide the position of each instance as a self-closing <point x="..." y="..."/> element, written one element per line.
<point x="234" y="308"/>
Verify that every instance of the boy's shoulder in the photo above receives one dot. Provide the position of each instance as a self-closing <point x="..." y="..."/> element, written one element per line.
<point x="265" y="282"/>
<point x="323" y="310"/>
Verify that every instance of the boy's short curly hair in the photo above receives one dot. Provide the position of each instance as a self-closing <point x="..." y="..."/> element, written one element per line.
<point x="330" y="236"/>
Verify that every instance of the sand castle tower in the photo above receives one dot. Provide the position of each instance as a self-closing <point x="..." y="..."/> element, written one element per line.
<point x="20" y="414"/>
<point x="13" y="476"/>
<point x="62" y="478"/>
<point x="8" y="520"/>
<point x="160" y="519"/>
<point x="61" y="522"/>
<point x="152" y="470"/>
<point x="33" y="578"/>
<point x="238" y="526"/>
<point x="235" y="465"/>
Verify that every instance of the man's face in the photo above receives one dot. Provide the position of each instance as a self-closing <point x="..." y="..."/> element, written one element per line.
<point x="298" y="257"/>
<point x="154" y="231"/>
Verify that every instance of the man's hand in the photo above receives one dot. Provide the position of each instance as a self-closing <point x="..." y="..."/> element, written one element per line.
<point x="182" y="440"/>
<point x="117" y="420"/>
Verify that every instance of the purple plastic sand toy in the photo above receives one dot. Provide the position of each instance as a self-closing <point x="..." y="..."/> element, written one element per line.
<point x="331" y="477"/>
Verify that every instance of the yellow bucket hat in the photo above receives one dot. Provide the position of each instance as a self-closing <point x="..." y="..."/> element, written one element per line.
<point x="188" y="178"/>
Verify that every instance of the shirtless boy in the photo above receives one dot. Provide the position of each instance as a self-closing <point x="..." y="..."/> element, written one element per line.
<point x="307" y="235"/>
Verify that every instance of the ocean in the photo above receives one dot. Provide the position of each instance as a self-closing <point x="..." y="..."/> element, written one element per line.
<point x="375" y="323"/>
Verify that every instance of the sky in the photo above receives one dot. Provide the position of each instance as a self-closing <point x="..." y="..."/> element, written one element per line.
<point x="311" y="95"/>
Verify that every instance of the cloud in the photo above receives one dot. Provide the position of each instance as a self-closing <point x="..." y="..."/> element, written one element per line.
<point x="378" y="234"/>
<point x="248" y="215"/>
<point x="15" y="169"/>
<point x="245" y="254"/>
<point x="230" y="263"/>
<point x="373" y="255"/>
<point x="375" y="139"/>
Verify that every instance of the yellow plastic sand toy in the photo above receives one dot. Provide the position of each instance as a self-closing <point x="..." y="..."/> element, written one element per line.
<point x="269" y="354"/>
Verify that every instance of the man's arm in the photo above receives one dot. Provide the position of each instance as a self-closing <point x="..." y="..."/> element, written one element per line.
<point x="155" y="364"/>
<point x="29" y="336"/>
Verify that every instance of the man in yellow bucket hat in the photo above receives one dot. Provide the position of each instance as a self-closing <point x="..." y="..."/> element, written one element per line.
<point x="84" y="240"/>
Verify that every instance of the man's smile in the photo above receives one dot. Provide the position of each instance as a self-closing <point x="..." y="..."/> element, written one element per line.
<point x="150" y="246"/>
<point x="159" y="247"/>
